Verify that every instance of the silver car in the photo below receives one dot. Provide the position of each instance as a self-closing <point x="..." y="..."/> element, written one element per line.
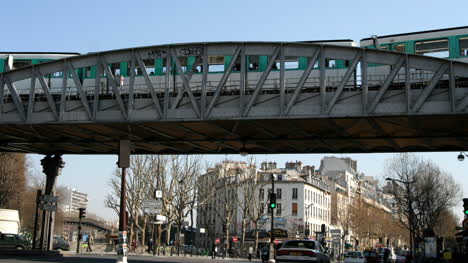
<point x="302" y="251"/>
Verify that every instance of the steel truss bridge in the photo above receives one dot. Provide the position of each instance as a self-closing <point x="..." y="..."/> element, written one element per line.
<point x="382" y="102"/>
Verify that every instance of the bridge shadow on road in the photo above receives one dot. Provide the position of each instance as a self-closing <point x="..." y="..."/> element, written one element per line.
<point x="109" y="259"/>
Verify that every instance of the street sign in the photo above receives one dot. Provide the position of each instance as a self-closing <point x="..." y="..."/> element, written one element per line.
<point x="158" y="193"/>
<point x="202" y="230"/>
<point x="155" y="204"/>
<point x="234" y="239"/>
<point x="48" y="207"/>
<point x="48" y="198"/>
<point x="151" y="210"/>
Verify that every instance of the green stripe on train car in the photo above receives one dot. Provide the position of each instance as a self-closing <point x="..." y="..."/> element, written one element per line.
<point x="2" y="65"/>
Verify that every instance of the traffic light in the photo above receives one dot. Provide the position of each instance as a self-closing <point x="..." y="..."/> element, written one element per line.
<point x="272" y="200"/>
<point x="323" y="228"/>
<point x="465" y="206"/>
<point x="82" y="212"/>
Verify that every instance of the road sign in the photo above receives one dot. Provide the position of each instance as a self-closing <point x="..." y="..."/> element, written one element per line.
<point x="276" y="241"/>
<point x="48" y="198"/>
<point x="151" y="210"/>
<point x="48" y="207"/>
<point x="202" y="230"/>
<point x="158" y="193"/>
<point x="234" y="239"/>
<point x="217" y="241"/>
<point x="157" y="204"/>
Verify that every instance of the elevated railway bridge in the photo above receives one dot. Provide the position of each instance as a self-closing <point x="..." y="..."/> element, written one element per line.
<point x="380" y="102"/>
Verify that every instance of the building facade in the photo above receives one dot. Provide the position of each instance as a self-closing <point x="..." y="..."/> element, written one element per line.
<point x="73" y="200"/>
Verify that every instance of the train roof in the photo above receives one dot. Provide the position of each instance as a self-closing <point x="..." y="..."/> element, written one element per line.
<point x="418" y="32"/>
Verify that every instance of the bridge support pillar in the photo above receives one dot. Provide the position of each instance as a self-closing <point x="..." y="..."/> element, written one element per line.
<point x="124" y="163"/>
<point x="51" y="166"/>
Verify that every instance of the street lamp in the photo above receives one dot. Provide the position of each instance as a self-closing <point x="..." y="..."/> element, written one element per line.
<point x="461" y="156"/>
<point x="410" y="209"/>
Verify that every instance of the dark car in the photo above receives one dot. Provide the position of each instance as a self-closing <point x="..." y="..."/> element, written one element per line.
<point x="371" y="256"/>
<point x="60" y="244"/>
<point x="13" y="241"/>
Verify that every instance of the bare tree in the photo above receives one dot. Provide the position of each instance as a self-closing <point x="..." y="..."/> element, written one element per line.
<point x="422" y="192"/>
<point x="12" y="180"/>
<point x="139" y="181"/>
<point x="247" y="196"/>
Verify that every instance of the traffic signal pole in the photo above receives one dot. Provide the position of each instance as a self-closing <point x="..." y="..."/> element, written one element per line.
<point x="271" y="258"/>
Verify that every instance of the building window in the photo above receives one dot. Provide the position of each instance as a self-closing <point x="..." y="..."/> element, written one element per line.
<point x="262" y="208"/>
<point x="279" y="177"/>
<point x="278" y="209"/>
<point x="261" y="194"/>
<point x="463" y="46"/>
<point x="294" y="209"/>
<point x="434" y="48"/>
<point x="294" y="193"/>
<point x="278" y="193"/>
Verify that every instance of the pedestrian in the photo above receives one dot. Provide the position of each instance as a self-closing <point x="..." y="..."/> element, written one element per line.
<point x="214" y="250"/>
<point x="134" y="246"/>
<point x="386" y="255"/>
<point x="250" y="253"/>
<point x="150" y="245"/>
<point x="90" y="241"/>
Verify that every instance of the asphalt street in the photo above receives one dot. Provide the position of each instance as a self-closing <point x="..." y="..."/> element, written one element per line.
<point x="109" y="259"/>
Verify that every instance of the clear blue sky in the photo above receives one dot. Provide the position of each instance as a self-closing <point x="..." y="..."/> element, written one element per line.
<point x="89" y="26"/>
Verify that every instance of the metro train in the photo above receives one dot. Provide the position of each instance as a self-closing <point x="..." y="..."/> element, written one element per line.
<point x="450" y="43"/>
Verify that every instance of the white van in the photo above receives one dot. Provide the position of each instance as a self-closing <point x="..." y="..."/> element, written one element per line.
<point x="9" y="221"/>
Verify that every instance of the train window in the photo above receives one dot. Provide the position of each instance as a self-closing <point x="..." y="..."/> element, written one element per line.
<point x="21" y="63"/>
<point x="87" y="72"/>
<point x="399" y="48"/>
<point x="237" y="65"/>
<point x="183" y="63"/>
<point x="434" y="48"/>
<point x="463" y="46"/>
<point x="254" y="62"/>
<point x="289" y="63"/>
<point x="330" y="63"/>
<point x="149" y="65"/>
<point x="115" y="68"/>
<point x="215" y="64"/>
<point x="383" y="47"/>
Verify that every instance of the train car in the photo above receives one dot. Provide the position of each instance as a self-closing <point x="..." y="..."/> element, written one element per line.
<point x="156" y="69"/>
<point x="450" y="43"/>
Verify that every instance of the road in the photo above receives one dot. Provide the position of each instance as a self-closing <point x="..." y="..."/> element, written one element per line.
<point x="111" y="259"/>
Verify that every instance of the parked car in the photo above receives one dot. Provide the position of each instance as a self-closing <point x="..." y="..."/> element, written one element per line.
<point x="13" y="241"/>
<point x="355" y="257"/>
<point x="371" y="256"/>
<point x="60" y="243"/>
<point x="400" y="259"/>
<point x="302" y="251"/>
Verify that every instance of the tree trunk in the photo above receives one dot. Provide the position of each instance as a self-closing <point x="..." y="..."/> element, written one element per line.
<point x="168" y="233"/>
<point x="243" y="234"/>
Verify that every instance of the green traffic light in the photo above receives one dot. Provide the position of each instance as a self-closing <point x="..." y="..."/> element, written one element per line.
<point x="273" y="205"/>
<point x="466" y="212"/>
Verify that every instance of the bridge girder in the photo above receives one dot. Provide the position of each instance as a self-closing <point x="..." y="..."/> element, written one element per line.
<point x="315" y="109"/>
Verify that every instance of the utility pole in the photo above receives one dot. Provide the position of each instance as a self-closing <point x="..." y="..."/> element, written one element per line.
<point x="36" y="217"/>
<point x="271" y="258"/>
